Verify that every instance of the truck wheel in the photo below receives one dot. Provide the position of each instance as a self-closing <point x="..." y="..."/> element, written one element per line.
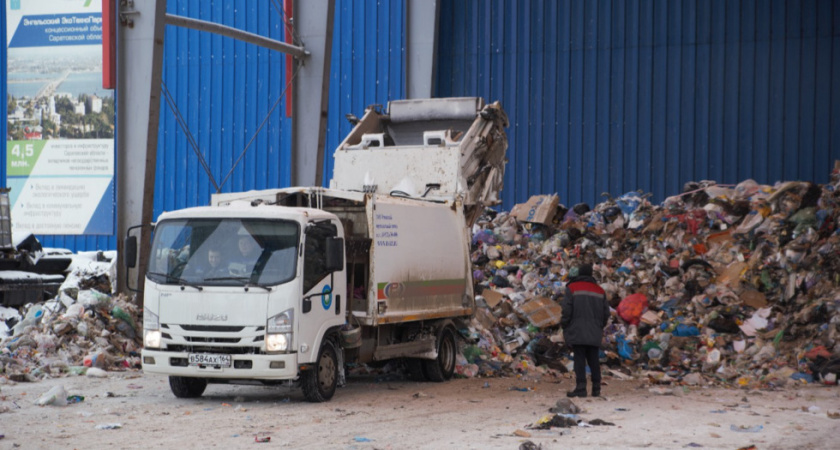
<point x="414" y="369"/>
<point x="442" y="368"/>
<point x="319" y="382"/>
<point x="186" y="387"/>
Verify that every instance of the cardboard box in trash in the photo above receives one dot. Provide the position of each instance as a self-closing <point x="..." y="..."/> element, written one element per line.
<point x="542" y="312"/>
<point x="538" y="208"/>
<point x="492" y="297"/>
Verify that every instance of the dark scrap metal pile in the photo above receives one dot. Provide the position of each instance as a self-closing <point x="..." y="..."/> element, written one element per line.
<point x="730" y="284"/>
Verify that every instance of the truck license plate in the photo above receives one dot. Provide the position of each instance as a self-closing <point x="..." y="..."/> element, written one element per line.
<point x="204" y="359"/>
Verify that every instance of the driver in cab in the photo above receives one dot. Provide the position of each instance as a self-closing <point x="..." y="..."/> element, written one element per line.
<point x="246" y="256"/>
<point x="214" y="267"/>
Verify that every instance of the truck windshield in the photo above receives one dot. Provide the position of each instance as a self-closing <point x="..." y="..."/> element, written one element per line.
<point x="224" y="252"/>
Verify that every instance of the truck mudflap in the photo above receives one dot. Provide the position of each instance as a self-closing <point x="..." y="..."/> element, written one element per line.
<point x="423" y="348"/>
<point x="252" y="366"/>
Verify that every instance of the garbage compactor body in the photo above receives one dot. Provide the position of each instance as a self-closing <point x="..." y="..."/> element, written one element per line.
<point x="288" y="285"/>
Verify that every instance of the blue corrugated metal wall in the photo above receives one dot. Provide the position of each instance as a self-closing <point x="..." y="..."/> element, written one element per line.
<point x="368" y="64"/>
<point x="223" y="89"/>
<point x="614" y="95"/>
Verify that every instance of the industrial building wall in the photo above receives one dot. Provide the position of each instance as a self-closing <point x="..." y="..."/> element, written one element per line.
<point x="614" y="95"/>
<point x="224" y="89"/>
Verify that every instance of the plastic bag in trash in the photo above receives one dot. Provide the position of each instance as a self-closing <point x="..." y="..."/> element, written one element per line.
<point x="632" y="307"/>
<point x="56" y="396"/>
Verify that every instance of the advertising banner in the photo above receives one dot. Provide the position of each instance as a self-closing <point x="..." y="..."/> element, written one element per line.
<point x="59" y="119"/>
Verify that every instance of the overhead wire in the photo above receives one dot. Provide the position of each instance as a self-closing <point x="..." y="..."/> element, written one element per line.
<point x="183" y="124"/>
<point x="273" y="107"/>
<point x="286" y="21"/>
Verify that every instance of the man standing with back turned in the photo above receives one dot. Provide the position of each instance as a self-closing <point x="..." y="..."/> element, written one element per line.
<point x="585" y="314"/>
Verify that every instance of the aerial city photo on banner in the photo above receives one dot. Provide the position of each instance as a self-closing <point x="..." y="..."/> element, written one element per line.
<point x="60" y="121"/>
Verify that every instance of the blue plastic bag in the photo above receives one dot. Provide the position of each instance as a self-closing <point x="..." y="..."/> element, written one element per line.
<point x="625" y="350"/>
<point x="683" y="330"/>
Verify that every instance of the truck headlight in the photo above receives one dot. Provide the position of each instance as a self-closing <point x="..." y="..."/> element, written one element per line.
<point x="151" y="329"/>
<point x="151" y="321"/>
<point x="276" y="342"/>
<point x="278" y="336"/>
<point x="151" y="338"/>
<point x="281" y="323"/>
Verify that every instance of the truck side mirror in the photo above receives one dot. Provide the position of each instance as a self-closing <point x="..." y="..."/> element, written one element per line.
<point x="130" y="252"/>
<point x="335" y="254"/>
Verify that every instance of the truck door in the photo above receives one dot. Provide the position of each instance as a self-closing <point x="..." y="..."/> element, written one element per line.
<point x="323" y="291"/>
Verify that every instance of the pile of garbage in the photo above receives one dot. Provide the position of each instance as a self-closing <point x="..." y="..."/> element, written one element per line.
<point x="732" y="284"/>
<point x="83" y="327"/>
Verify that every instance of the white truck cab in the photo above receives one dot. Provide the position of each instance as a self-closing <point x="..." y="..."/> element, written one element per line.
<point x="224" y="286"/>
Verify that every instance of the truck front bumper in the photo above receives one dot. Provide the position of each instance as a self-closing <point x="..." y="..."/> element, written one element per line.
<point x="244" y="367"/>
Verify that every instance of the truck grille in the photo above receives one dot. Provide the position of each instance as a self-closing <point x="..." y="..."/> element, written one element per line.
<point x="234" y="340"/>
<point x="212" y="340"/>
<point x="214" y="349"/>
<point x="212" y="328"/>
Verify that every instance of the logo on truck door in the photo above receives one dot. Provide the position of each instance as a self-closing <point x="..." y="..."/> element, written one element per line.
<point x="394" y="290"/>
<point x="326" y="296"/>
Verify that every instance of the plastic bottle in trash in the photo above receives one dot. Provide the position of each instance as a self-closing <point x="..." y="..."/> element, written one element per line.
<point x="33" y="316"/>
<point x="35" y="313"/>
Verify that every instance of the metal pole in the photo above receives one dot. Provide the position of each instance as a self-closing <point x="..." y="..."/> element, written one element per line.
<point x="421" y="47"/>
<point x="139" y="63"/>
<point x="313" y="21"/>
<point x="251" y="38"/>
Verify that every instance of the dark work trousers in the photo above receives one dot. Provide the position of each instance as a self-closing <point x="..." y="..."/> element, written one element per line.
<point x="587" y="354"/>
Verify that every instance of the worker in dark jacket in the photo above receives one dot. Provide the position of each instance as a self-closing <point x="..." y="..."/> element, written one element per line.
<point x="585" y="314"/>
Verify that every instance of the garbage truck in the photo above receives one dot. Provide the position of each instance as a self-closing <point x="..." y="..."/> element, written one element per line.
<point x="287" y="286"/>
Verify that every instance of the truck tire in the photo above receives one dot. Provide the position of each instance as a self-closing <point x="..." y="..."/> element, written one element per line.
<point x="442" y="368"/>
<point x="320" y="381"/>
<point x="414" y="370"/>
<point x="186" y="387"/>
